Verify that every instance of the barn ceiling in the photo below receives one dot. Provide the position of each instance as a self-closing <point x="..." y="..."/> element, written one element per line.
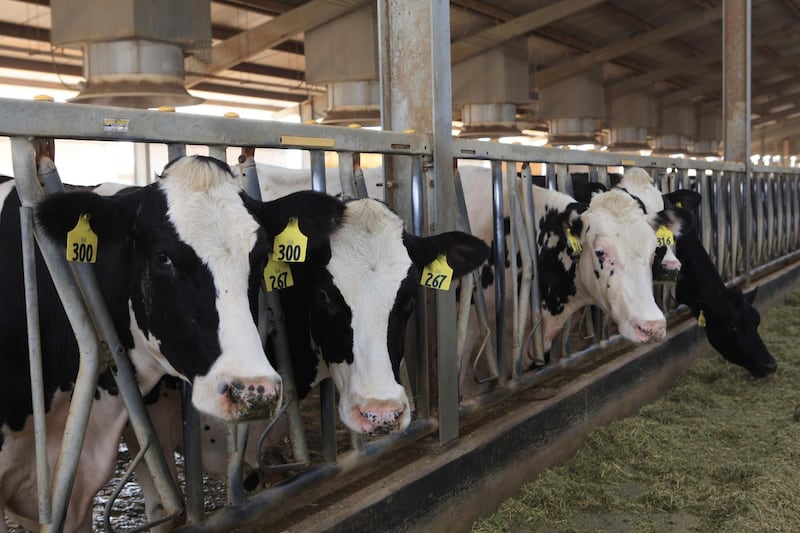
<point x="670" y="48"/>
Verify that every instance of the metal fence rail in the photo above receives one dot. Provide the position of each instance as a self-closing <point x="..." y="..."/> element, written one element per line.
<point x="724" y="217"/>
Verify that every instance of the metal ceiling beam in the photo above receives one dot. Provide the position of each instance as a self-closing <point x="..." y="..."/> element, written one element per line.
<point x="716" y="83"/>
<point x="785" y="128"/>
<point x="515" y="27"/>
<point x="779" y="115"/>
<point x="684" y="67"/>
<point x="250" y="92"/>
<point x="678" y="26"/>
<point x="245" y="45"/>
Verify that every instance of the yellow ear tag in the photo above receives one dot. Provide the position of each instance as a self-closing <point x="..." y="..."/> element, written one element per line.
<point x="678" y="204"/>
<point x="701" y="319"/>
<point x="437" y="275"/>
<point x="664" y="236"/>
<point x="82" y="242"/>
<point x="574" y="243"/>
<point x="277" y="274"/>
<point x="290" y="244"/>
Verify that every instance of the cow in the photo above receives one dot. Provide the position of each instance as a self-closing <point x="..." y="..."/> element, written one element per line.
<point x="730" y="320"/>
<point x="179" y="264"/>
<point x="613" y="268"/>
<point x="727" y="316"/>
<point x="276" y="181"/>
<point x="346" y="315"/>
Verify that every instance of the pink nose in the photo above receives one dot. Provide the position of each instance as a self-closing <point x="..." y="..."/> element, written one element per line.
<point x="651" y="330"/>
<point x="379" y="416"/>
<point x="250" y="399"/>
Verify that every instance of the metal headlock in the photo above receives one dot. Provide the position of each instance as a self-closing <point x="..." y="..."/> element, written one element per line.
<point x="769" y="243"/>
<point x="90" y="322"/>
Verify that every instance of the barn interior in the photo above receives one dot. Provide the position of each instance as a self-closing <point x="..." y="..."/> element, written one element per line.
<point x="621" y="80"/>
<point x="620" y="75"/>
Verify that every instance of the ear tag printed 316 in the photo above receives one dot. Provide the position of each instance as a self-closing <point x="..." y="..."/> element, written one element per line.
<point x="437" y="274"/>
<point x="277" y="274"/>
<point x="82" y="242"/>
<point x="664" y="236"/>
<point x="574" y="243"/>
<point x="290" y="244"/>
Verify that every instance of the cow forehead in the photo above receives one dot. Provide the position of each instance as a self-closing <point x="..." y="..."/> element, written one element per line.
<point x="368" y="257"/>
<point x="638" y="182"/>
<point x="205" y="206"/>
<point x="617" y="217"/>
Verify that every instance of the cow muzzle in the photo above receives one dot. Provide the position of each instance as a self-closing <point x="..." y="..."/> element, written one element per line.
<point x="237" y="399"/>
<point x="380" y="416"/>
<point x="649" y="331"/>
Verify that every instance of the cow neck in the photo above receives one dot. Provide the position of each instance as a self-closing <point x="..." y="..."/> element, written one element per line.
<point x="699" y="283"/>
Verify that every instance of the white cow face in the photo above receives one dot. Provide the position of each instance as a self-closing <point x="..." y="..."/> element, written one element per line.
<point x="615" y="265"/>
<point x="361" y="304"/>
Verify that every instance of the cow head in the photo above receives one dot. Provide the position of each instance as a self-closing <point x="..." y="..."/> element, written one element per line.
<point x="615" y="266"/>
<point x="639" y="184"/>
<point x="732" y="329"/>
<point x="180" y="264"/>
<point x="360" y="302"/>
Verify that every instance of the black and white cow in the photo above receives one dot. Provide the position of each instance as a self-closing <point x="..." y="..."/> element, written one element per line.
<point x="346" y="316"/>
<point x="730" y="320"/>
<point x="613" y="270"/>
<point x="179" y="264"/>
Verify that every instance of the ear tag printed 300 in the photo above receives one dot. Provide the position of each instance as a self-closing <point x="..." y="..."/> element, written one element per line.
<point x="290" y="244"/>
<point x="437" y="274"/>
<point x="664" y="236"/>
<point x="82" y="242"/>
<point x="277" y="274"/>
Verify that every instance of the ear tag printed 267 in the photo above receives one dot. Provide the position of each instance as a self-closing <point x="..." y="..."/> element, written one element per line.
<point x="277" y="274"/>
<point x="290" y="244"/>
<point x="664" y="236"/>
<point x="574" y="243"/>
<point x="82" y="242"/>
<point x="437" y="274"/>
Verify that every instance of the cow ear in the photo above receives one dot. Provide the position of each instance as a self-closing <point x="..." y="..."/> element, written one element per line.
<point x="683" y="199"/>
<point x="464" y="252"/>
<point x="678" y="221"/>
<point x="109" y="217"/>
<point x="317" y="214"/>
<point x="571" y="218"/>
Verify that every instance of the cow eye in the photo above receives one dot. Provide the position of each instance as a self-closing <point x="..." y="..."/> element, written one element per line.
<point x="323" y="297"/>
<point x="164" y="260"/>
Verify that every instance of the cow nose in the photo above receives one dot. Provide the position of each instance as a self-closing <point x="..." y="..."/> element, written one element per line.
<point x="667" y="271"/>
<point x="379" y="416"/>
<point x="651" y="330"/>
<point x="251" y="399"/>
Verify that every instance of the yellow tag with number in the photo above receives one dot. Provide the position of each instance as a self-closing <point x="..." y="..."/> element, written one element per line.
<point x="701" y="319"/>
<point x="290" y="244"/>
<point x="277" y="274"/>
<point x="437" y="274"/>
<point x="82" y="242"/>
<point x="664" y="236"/>
<point x="574" y="243"/>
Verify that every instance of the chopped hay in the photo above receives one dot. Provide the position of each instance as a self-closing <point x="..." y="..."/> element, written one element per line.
<point x="720" y="452"/>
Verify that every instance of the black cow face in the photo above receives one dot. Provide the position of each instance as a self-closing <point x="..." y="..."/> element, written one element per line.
<point x="732" y="329"/>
